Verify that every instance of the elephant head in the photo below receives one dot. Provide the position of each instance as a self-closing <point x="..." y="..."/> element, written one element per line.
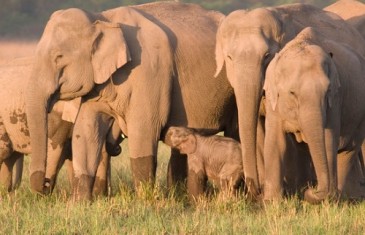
<point x="182" y="139"/>
<point x="246" y="43"/>
<point x="76" y="51"/>
<point x="302" y="87"/>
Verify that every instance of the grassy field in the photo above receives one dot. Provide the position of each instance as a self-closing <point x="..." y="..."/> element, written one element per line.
<point x="159" y="211"/>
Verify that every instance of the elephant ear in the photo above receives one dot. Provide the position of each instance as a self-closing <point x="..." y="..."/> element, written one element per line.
<point x="219" y="57"/>
<point x="110" y="51"/>
<point x="188" y="145"/>
<point x="334" y="81"/>
<point x="270" y="87"/>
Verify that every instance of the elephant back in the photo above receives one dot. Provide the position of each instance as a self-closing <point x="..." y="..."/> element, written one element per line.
<point x="328" y="23"/>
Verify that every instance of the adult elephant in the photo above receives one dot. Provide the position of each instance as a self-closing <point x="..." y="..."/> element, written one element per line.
<point x="312" y="87"/>
<point x="246" y="43"/>
<point x="352" y="11"/>
<point x="153" y="67"/>
<point x="14" y="132"/>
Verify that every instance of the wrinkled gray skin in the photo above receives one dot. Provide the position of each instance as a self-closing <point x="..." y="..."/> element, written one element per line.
<point x="155" y="66"/>
<point x="246" y="43"/>
<point x="214" y="158"/>
<point x="14" y="133"/>
<point x="313" y="89"/>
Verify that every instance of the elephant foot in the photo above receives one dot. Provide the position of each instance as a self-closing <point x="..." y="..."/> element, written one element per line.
<point x="144" y="170"/>
<point x="113" y="150"/>
<point x="100" y="187"/>
<point x="37" y="182"/>
<point x="82" y="188"/>
<point x="314" y="196"/>
<point x="253" y="193"/>
<point x="48" y="186"/>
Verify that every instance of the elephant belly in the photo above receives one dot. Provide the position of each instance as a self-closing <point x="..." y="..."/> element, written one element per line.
<point x="347" y="143"/>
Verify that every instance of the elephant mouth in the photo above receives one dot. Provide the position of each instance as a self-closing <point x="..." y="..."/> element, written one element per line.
<point x="294" y="129"/>
<point x="299" y="137"/>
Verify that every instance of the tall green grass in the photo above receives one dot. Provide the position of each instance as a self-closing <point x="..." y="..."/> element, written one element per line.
<point x="159" y="211"/>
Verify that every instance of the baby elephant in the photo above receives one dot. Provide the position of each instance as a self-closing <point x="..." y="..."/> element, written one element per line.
<point x="214" y="158"/>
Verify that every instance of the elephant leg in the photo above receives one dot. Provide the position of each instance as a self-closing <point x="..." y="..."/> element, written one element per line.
<point x="197" y="178"/>
<point x="177" y="169"/>
<point x="88" y="138"/>
<point x="6" y="149"/>
<point x="109" y="178"/>
<point x="229" y="184"/>
<point x="196" y="184"/>
<point x="55" y="159"/>
<point x="297" y="163"/>
<point x="101" y="180"/>
<point x="70" y="171"/>
<point x="361" y="158"/>
<point x="113" y="140"/>
<point x="306" y="174"/>
<point x="6" y="171"/>
<point x="143" y="143"/>
<point x="17" y="176"/>
<point x="351" y="181"/>
<point x="260" y="150"/>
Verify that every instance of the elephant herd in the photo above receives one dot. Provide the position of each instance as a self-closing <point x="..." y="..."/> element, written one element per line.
<point x="284" y="84"/>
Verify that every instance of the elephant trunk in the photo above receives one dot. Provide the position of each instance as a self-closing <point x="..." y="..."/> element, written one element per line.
<point x="37" y="109"/>
<point x="248" y="96"/>
<point x="314" y="135"/>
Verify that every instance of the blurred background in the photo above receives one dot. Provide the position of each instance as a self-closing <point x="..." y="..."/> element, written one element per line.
<point x="26" y="18"/>
<point x="22" y="21"/>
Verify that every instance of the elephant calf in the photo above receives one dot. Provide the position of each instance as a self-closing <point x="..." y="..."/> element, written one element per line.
<point x="214" y="158"/>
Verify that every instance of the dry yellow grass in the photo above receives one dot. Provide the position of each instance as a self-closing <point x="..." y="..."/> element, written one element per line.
<point x="14" y="49"/>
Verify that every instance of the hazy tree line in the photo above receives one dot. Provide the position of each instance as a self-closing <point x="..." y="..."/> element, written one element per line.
<point x="26" y="18"/>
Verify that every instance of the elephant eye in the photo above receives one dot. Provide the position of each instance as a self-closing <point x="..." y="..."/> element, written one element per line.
<point x="229" y="57"/>
<point x="61" y="72"/>
<point x="267" y="55"/>
<point x="266" y="59"/>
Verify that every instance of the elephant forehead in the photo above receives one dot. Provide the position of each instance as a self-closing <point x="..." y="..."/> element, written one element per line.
<point x="68" y="24"/>
<point x="72" y="16"/>
<point x="306" y="59"/>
